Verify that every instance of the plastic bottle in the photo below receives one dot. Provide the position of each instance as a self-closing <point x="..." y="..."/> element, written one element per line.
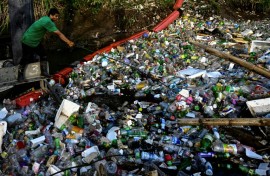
<point x="140" y="94"/>
<point x="90" y="92"/>
<point x="172" y="107"/>
<point x="216" y="133"/>
<point x="49" y="138"/>
<point x="111" y="168"/>
<point x="66" y="127"/>
<point x="219" y="146"/>
<point x="150" y="156"/>
<point x="208" y="110"/>
<point x="133" y="132"/>
<point x="137" y="153"/>
<point x="141" y="85"/>
<point x="208" y="168"/>
<point x="226" y="166"/>
<point x="185" y="153"/>
<point x="247" y="171"/>
<point x="39" y="153"/>
<point x="15" y="164"/>
<point x="171" y="140"/>
<point x="163" y="123"/>
<point x="213" y="155"/>
<point x="170" y="148"/>
<point x="184" y="129"/>
<point x="153" y="108"/>
<point x="70" y="147"/>
<point x="206" y="142"/>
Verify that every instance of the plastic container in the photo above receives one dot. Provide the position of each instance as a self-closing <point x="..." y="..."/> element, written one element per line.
<point x="26" y="99"/>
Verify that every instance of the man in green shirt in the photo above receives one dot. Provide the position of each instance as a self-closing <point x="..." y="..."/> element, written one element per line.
<point x="31" y="40"/>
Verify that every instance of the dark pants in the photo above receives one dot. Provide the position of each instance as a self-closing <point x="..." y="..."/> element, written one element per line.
<point x="31" y="55"/>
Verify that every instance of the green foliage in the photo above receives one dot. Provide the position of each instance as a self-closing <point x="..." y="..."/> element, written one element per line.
<point x="92" y="5"/>
<point x="166" y="3"/>
<point x="41" y="7"/>
<point x="4" y="17"/>
<point x="255" y="5"/>
<point x="215" y="5"/>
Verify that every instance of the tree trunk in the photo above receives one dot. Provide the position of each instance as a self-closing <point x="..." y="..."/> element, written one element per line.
<point x="225" y="121"/>
<point x="21" y="17"/>
<point x="249" y="66"/>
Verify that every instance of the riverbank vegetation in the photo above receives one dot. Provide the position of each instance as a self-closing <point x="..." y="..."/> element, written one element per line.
<point x="41" y="6"/>
<point x="67" y="7"/>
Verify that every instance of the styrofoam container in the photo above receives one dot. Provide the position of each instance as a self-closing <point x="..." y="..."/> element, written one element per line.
<point x="258" y="45"/>
<point x="259" y="107"/>
<point x="66" y="109"/>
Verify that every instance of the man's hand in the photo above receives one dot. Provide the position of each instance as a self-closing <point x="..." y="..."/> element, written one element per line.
<point x="70" y="44"/>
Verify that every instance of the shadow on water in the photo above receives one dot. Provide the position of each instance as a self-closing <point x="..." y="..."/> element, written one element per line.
<point x="63" y="58"/>
<point x="58" y="60"/>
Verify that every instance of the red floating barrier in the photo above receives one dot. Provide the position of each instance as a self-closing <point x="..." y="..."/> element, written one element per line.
<point x="89" y="57"/>
<point x="103" y="50"/>
<point x="168" y="20"/>
<point x="135" y="36"/>
<point x="26" y="99"/>
<point x="62" y="75"/>
<point x="178" y="4"/>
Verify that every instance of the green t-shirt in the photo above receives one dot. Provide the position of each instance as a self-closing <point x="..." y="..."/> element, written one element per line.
<point x="35" y="33"/>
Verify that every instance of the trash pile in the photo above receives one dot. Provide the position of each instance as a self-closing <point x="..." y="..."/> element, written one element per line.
<point x="119" y="111"/>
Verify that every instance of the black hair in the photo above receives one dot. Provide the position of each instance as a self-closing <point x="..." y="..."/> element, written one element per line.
<point x="53" y="11"/>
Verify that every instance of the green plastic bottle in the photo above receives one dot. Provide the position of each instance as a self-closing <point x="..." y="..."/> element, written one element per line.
<point x="247" y="171"/>
<point x="225" y="166"/>
<point x="206" y="142"/>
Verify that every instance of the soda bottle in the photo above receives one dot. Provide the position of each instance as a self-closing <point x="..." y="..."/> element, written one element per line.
<point x="247" y="171"/>
<point x="206" y="142"/>
<point x="226" y="166"/>
<point x="219" y="146"/>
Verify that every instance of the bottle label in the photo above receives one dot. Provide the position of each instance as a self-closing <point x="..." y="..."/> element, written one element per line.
<point x="175" y="140"/>
<point x="184" y="129"/>
<point x="230" y="148"/>
<point x="209" y="137"/>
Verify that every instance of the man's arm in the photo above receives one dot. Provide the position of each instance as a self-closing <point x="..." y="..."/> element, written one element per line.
<point x="64" y="38"/>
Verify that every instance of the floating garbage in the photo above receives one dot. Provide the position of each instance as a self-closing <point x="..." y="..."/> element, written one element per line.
<point x="153" y="105"/>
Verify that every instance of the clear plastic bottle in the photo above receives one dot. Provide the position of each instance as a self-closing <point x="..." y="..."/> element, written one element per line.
<point x="49" y="138"/>
<point x="219" y="146"/>
<point x="111" y="168"/>
<point x="216" y="133"/>
<point x="208" y="110"/>
<point x="39" y="153"/>
<point x="171" y="140"/>
<point x="150" y="156"/>
<point x="208" y="168"/>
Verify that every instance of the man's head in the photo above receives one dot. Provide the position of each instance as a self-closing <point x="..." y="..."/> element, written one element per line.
<point x="53" y="14"/>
